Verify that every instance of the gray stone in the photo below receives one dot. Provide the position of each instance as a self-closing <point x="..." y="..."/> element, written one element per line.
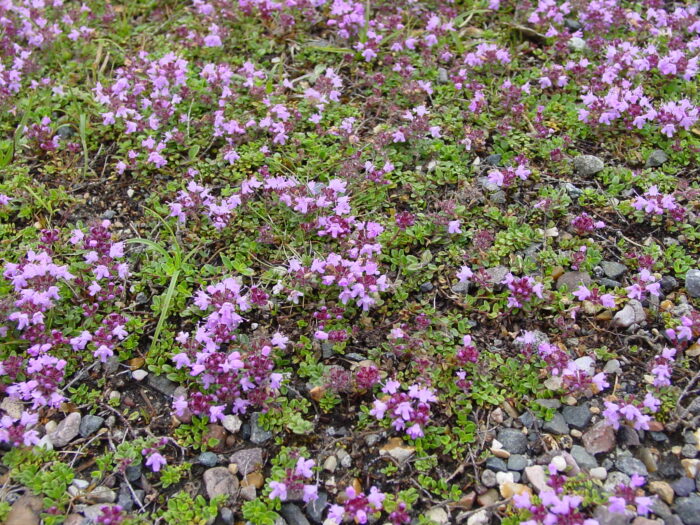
<point x="133" y="473"/>
<point x="208" y="459"/>
<point x="513" y="440"/>
<point x="517" y="462"/>
<point x="692" y="283"/>
<point x="218" y="481"/>
<point x="612" y="269"/>
<point x="612" y="367"/>
<point x="316" y="508"/>
<point x="572" y="190"/>
<point x="605" y="517"/>
<point x="557" y="425"/>
<point x="627" y="436"/>
<point x="689" y="451"/>
<point x="615" y="479"/>
<point x="232" y="423"/>
<point x="124" y="499"/>
<point x="587" y="165"/>
<point x="496" y="274"/>
<point x="577" y="44"/>
<point x="670" y="467"/>
<point x="656" y="158"/>
<point x="293" y="515"/>
<point x="162" y="384"/>
<point x="577" y="416"/>
<point x="258" y="434"/>
<point x="248" y="460"/>
<point x="442" y="75"/>
<point x="668" y="283"/>
<point x="683" y="487"/>
<point x="226" y="516"/>
<point x="66" y="431"/>
<point x="498" y="197"/>
<point x="659" y="437"/>
<point x="632" y="313"/>
<point x="90" y="424"/>
<point x="461" y="288"/>
<point x="609" y="283"/>
<point x="572" y="25"/>
<point x="536" y="477"/>
<point x="493" y="160"/>
<point x="530" y="421"/>
<point x="426" y="287"/>
<point x="572" y="280"/>
<point x="583" y="458"/>
<point x="630" y="465"/>
<point x="102" y="494"/>
<point x="496" y="464"/>
<point x="488" y="478"/>
<point x="554" y="404"/>
<point x="688" y="509"/>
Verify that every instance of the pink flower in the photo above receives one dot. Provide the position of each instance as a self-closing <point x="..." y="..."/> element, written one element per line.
<point x="155" y="461"/>
<point x="279" y="490"/>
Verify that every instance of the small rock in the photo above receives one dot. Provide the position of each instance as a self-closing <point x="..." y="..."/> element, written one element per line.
<point x="216" y="432"/>
<point x="557" y="425"/>
<point x="572" y="280"/>
<point x="133" y="473"/>
<point x="631" y="313"/>
<point x="639" y="520"/>
<point x="577" y="43"/>
<point x="330" y="464"/>
<point x="442" y="75"/>
<point x="513" y="440"/>
<point x="613" y="270"/>
<point x="583" y="458"/>
<point x="438" y="515"/>
<point x="630" y="465"/>
<point x="102" y="495"/>
<point x="605" y="517"/>
<point x="316" y="508"/>
<point x="162" y="384"/>
<point x="683" y="487"/>
<point x="90" y="424"/>
<point x="627" y="436"/>
<point x="517" y="462"/>
<point x="258" y="434"/>
<point x="609" y="283"/>
<point x="461" y="288"/>
<point x="426" y="287"/>
<point x="554" y="404"/>
<point x="648" y="459"/>
<point x="615" y="479"/>
<point x="578" y="416"/>
<point x="509" y="489"/>
<point x="254" y="479"/>
<point x="219" y="480"/>
<point x="598" y="473"/>
<point x="599" y="439"/>
<point x="688" y="509"/>
<point x="529" y="421"/>
<point x="488" y="498"/>
<point x="226" y="516"/>
<point x="481" y="517"/>
<point x="293" y="515"/>
<point x="66" y="431"/>
<point x="587" y="165"/>
<point x="572" y="190"/>
<point x="572" y="25"/>
<point x="536" y="477"/>
<point x="668" y="283"/>
<point x="344" y="457"/>
<point x="496" y="275"/>
<point x="12" y="407"/>
<point x="662" y="489"/>
<point x="692" y="283"/>
<point x="208" y="459"/>
<point x="397" y="450"/>
<point x="670" y="467"/>
<point x="248" y="493"/>
<point x="689" y="451"/>
<point x="690" y="466"/>
<point x="488" y="478"/>
<point x="25" y="511"/>
<point x="587" y="364"/>
<point x="612" y="367"/>
<point x="248" y="460"/>
<point x="496" y="464"/>
<point x="656" y="158"/>
<point x="659" y="437"/>
<point x="139" y="375"/>
<point x="232" y="423"/>
<point x="493" y="160"/>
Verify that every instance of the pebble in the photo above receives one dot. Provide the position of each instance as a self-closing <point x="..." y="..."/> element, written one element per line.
<point x="330" y="464"/>
<point x="208" y="459"/>
<point x="536" y="477"/>
<point x="587" y="364"/>
<point x="66" y="431"/>
<point x="631" y="313"/>
<point x="517" y="462"/>
<point x="577" y="43"/>
<point x="604" y="517"/>
<point x="630" y="465"/>
<point x="599" y="439"/>
<point x="218" y="481"/>
<point x="461" y="288"/>
<point x="12" y="407"/>
<point x="293" y="515"/>
<point x="162" y="384"/>
<point x="396" y="449"/>
<point x="656" y="158"/>
<point x="489" y="497"/>
<point x="488" y="478"/>
<point x="254" y="479"/>
<point x="614" y="479"/>
<point x="316" y="508"/>
<point x="668" y="283"/>
<point x="579" y="416"/>
<point x="689" y="451"/>
<point x="648" y="459"/>
<point x="627" y="436"/>
<point x="613" y="270"/>
<point x="513" y="441"/>
<point x="481" y="517"/>
<point x="248" y="460"/>
<point x="232" y="423"/>
<point x="662" y="489"/>
<point x="587" y="165"/>
<point x="688" y="509"/>
<point x="554" y="404"/>
<point x="692" y="283"/>
<point x="598" y="473"/>
<point x="133" y="472"/>
<point x="90" y="424"/>
<point x="670" y="467"/>
<point x="226" y="516"/>
<point x="102" y="495"/>
<point x="583" y="458"/>
<point x="572" y="280"/>
<point x="683" y="487"/>
<point x="139" y="375"/>
<point x="438" y="515"/>
<point x="344" y="457"/>
<point x="690" y="466"/>
<point x="25" y="511"/>
<point x="258" y="434"/>
<point x="557" y="425"/>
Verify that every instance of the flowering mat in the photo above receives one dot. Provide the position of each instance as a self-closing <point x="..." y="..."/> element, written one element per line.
<point x="339" y="261"/>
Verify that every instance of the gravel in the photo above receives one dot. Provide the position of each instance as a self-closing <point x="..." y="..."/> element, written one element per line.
<point x="587" y="165"/>
<point x="513" y="440"/>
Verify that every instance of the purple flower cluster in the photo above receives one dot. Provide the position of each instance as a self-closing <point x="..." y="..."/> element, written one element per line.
<point x="655" y="203"/>
<point x="522" y="290"/>
<point x="295" y="481"/>
<point x="631" y="411"/>
<point x="627" y="497"/>
<point x="505" y="177"/>
<point x="409" y="411"/>
<point x="358" y="507"/>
